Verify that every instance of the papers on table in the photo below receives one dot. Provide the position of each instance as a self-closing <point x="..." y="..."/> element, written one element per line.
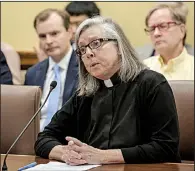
<point x="60" y="166"/>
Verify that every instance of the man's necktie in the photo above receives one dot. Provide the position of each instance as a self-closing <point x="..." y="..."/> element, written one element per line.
<point x="54" y="97"/>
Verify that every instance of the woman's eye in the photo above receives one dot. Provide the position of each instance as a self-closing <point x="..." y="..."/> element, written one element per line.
<point x="95" y="43"/>
<point x="82" y="49"/>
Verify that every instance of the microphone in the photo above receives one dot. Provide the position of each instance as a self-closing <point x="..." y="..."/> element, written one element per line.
<point x="52" y="86"/>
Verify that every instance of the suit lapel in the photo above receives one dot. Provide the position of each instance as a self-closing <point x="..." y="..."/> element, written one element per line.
<point x="71" y="77"/>
<point x="41" y="73"/>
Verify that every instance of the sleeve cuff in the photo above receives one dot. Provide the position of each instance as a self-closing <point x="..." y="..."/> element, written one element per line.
<point x="46" y="151"/>
<point x="130" y="155"/>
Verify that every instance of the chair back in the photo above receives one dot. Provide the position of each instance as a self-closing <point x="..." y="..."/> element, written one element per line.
<point x="184" y="97"/>
<point x="18" y="105"/>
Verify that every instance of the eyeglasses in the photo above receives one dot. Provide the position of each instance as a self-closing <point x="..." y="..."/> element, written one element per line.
<point x="162" y="27"/>
<point x="92" y="45"/>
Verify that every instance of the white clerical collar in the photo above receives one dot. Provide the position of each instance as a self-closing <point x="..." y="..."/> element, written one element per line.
<point x="108" y="83"/>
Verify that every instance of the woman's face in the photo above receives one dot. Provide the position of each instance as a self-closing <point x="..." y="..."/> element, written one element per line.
<point x="103" y="61"/>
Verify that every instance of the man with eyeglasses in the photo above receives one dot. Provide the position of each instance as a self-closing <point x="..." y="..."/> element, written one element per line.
<point x="167" y="30"/>
<point x="148" y="50"/>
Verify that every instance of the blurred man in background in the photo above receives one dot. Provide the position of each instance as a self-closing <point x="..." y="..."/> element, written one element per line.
<point x="79" y="11"/>
<point x="52" y="27"/>
<point x="165" y="24"/>
<point x="150" y="50"/>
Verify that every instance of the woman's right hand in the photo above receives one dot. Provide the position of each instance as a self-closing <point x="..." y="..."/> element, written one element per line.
<point x="65" y="154"/>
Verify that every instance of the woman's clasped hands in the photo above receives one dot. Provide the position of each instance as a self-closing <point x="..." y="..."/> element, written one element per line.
<point x="78" y="153"/>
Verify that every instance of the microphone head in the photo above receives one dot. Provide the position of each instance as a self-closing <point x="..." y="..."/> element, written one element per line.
<point x="53" y="84"/>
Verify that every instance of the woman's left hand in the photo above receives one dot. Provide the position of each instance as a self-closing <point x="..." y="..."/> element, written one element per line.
<point x="88" y="153"/>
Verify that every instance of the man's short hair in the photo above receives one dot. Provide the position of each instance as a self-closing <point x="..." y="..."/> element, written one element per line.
<point x="77" y="8"/>
<point x="45" y="14"/>
<point x="178" y="10"/>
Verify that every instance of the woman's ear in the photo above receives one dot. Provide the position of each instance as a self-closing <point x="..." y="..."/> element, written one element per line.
<point x="118" y="51"/>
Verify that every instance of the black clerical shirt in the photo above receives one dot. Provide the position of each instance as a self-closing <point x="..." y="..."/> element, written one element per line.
<point x="139" y="117"/>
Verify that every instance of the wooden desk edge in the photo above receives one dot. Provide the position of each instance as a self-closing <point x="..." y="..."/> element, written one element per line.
<point x="37" y="157"/>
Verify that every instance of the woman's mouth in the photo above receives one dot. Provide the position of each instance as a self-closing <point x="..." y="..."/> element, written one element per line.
<point x="94" y="64"/>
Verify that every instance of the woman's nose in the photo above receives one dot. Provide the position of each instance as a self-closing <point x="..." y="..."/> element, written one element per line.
<point x="89" y="52"/>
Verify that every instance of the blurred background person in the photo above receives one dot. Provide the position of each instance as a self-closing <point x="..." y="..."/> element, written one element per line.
<point x="149" y="50"/>
<point x="166" y="26"/>
<point x="78" y="11"/>
<point x="52" y="27"/>
<point x="10" y="65"/>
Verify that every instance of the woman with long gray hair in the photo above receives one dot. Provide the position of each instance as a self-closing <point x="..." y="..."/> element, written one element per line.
<point x="122" y="111"/>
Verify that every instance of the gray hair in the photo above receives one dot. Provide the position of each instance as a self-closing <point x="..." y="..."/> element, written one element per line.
<point x="130" y="65"/>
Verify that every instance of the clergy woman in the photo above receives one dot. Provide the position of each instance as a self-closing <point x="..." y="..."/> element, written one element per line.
<point x="122" y="112"/>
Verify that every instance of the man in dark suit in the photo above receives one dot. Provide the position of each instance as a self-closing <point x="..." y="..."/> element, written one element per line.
<point x="6" y="76"/>
<point x="78" y="11"/>
<point x="52" y="27"/>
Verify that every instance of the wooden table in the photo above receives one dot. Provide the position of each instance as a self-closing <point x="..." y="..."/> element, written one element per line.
<point x="16" y="161"/>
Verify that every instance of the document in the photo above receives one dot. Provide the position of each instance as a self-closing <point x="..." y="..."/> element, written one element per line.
<point x="58" y="166"/>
